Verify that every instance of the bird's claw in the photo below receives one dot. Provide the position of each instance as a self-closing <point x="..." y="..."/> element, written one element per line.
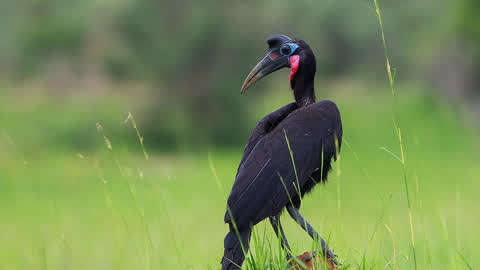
<point x="330" y="256"/>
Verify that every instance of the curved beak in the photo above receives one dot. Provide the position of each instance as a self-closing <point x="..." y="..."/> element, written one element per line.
<point x="273" y="61"/>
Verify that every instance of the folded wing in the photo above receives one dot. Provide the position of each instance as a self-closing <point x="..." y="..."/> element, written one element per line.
<point x="267" y="178"/>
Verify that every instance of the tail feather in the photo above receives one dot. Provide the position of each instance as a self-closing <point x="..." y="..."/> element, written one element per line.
<point x="234" y="255"/>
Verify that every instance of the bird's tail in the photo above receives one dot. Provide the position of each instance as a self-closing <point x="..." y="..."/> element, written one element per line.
<point x="234" y="254"/>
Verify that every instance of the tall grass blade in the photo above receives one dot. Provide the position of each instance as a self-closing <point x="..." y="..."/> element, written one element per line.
<point x="131" y="119"/>
<point x="464" y="260"/>
<point x="391" y="80"/>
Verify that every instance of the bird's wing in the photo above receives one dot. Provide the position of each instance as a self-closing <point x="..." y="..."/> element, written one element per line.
<point x="264" y="126"/>
<point x="267" y="179"/>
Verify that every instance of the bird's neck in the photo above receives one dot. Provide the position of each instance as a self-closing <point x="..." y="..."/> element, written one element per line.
<point x="303" y="90"/>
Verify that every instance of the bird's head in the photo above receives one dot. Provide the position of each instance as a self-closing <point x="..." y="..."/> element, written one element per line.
<point x="283" y="52"/>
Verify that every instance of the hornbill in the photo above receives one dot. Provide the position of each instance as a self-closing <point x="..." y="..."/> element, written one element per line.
<point x="287" y="154"/>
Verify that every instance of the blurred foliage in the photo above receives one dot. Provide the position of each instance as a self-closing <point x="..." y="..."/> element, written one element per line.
<point x="195" y="54"/>
<point x="469" y="20"/>
<point x="468" y="29"/>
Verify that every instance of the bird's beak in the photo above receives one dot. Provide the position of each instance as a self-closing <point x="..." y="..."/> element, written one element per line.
<point x="273" y="61"/>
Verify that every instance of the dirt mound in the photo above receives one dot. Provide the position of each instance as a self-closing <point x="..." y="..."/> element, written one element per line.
<point x="312" y="261"/>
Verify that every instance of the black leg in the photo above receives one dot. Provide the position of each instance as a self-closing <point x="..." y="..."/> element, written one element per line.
<point x="295" y="214"/>
<point x="277" y="227"/>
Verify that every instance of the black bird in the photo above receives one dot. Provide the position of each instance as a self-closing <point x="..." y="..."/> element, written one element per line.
<point x="287" y="154"/>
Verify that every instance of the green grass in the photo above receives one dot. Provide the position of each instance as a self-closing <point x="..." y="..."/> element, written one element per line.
<point x="100" y="209"/>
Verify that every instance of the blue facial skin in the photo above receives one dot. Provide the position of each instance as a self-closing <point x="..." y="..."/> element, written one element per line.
<point x="292" y="46"/>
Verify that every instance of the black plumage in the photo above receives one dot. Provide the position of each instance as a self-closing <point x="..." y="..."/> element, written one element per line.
<point x="268" y="180"/>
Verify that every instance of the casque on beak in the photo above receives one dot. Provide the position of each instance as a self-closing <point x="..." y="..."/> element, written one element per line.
<point x="273" y="61"/>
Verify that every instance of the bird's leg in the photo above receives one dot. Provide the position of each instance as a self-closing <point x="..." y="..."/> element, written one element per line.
<point x="277" y="227"/>
<point x="295" y="214"/>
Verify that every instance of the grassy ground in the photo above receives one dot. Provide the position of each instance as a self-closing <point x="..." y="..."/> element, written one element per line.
<point x="102" y="209"/>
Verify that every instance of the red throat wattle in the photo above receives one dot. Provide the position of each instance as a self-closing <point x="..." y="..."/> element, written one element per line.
<point x="294" y="62"/>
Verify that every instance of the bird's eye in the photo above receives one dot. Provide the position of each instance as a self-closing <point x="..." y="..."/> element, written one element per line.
<point x="285" y="50"/>
<point x="288" y="49"/>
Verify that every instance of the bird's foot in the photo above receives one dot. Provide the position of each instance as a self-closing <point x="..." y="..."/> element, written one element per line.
<point x="327" y="253"/>
<point x="290" y="262"/>
<point x="330" y="255"/>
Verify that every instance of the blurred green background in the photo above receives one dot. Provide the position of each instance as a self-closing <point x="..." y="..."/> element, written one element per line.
<point x="67" y="201"/>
